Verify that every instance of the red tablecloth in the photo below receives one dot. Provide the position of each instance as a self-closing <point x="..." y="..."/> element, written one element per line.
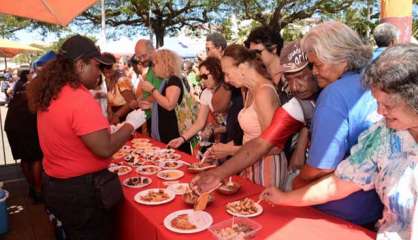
<point x="136" y="221"/>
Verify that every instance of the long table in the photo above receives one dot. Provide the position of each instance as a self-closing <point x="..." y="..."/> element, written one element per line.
<point x="140" y="222"/>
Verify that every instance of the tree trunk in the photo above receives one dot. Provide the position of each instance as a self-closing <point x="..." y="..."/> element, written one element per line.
<point x="159" y="36"/>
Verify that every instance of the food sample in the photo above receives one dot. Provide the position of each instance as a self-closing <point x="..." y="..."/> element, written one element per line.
<point x="198" y="165"/>
<point x="191" y="198"/>
<point x="236" y="231"/>
<point x="246" y="206"/>
<point x="129" y="158"/>
<point x="182" y="222"/>
<point x="229" y="188"/>
<point x="120" y="170"/>
<point x="118" y="154"/>
<point x="169" y="175"/>
<point x="155" y="196"/>
<point x="148" y="169"/>
<point x="135" y="181"/>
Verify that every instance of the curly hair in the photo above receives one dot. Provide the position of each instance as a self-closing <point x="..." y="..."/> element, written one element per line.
<point x="240" y="54"/>
<point x="170" y="61"/>
<point x="396" y="72"/>
<point x="213" y="65"/>
<point x="267" y="36"/>
<point x="49" y="82"/>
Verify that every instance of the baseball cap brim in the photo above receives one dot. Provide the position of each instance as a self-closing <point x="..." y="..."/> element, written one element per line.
<point x="291" y="68"/>
<point x="101" y="59"/>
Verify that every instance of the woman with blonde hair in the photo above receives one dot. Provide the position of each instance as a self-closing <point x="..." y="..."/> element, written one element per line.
<point x="167" y="66"/>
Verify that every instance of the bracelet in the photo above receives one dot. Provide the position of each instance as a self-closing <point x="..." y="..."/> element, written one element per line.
<point x="184" y="139"/>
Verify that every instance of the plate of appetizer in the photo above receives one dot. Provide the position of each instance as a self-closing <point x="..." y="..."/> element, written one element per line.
<point x="120" y="170"/>
<point x="172" y="164"/>
<point x="154" y="196"/>
<point x="244" y="208"/>
<point x="170" y="175"/>
<point x="188" y="221"/>
<point x="137" y="182"/>
<point x="148" y="169"/>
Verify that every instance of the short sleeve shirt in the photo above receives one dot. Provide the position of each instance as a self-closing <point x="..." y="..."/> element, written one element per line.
<point x="387" y="160"/>
<point x="73" y="114"/>
<point x="344" y="109"/>
<point x="287" y="120"/>
<point x="206" y="98"/>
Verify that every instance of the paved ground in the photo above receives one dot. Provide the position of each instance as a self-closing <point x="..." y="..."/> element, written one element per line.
<point x="30" y="224"/>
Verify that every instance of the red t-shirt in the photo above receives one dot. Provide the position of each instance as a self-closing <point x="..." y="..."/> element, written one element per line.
<point x="73" y="114"/>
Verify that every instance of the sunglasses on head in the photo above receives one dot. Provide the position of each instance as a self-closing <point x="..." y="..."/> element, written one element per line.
<point x="203" y="76"/>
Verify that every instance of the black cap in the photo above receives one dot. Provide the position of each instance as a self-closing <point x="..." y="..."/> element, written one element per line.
<point x="77" y="47"/>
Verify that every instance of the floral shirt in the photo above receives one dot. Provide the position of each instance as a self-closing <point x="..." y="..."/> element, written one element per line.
<point x="386" y="159"/>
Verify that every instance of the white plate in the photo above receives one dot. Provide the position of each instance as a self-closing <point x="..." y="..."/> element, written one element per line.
<point x="114" y="168"/>
<point x="138" y="199"/>
<point x="140" y="171"/>
<point x="259" y="211"/>
<point x="125" y="182"/>
<point x="178" y="188"/>
<point x="179" y="164"/>
<point x="201" y="219"/>
<point x="179" y="174"/>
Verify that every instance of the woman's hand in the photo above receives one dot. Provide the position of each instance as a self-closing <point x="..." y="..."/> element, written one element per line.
<point x="176" y="142"/>
<point x="273" y="195"/>
<point x="145" y="85"/>
<point x="145" y="105"/>
<point x="220" y="150"/>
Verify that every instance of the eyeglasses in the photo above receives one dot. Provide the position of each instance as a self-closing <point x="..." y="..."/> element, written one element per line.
<point x="203" y="76"/>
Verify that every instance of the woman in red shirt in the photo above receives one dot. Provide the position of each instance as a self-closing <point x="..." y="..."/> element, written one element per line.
<point x="76" y="141"/>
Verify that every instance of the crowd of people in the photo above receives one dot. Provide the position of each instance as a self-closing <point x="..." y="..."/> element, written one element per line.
<point x="323" y="121"/>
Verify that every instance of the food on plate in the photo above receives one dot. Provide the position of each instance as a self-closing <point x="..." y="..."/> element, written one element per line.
<point x="140" y="140"/>
<point x="236" y="231"/>
<point x="136" y="181"/>
<point x="120" y="170"/>
<point x="170" y="174"/>
<point x="118" y="154"/>
<point x="182" y="222"/>
<point x="148" y="169"/>
<point x="229" y="188"/>
<point x="245" y="206"/>
<point x="199" y="165"/>
<point x="191" y="198"/>
<point x="155" y="196"/>
<point x="129" y="158"/>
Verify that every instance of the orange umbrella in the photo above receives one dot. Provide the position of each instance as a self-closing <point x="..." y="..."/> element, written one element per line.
<point x="10" y="49"/>
<point x="59" y="12"/>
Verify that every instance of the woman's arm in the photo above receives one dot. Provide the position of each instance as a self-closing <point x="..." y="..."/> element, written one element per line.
<point x="196" y="127"/>
<point x="104" y="144"/>
<point x="328" y="188"/>
<point x="199" y="123"/>
<point x="169" y="101"/>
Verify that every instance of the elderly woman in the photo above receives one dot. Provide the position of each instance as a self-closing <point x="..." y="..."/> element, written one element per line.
<point x="386" y="155"/>
<point x="166" y="65"/>
<point x="345" y="108"/>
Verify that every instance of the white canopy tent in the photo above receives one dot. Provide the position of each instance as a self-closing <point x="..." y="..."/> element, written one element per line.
<point x="186" y="47"/>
